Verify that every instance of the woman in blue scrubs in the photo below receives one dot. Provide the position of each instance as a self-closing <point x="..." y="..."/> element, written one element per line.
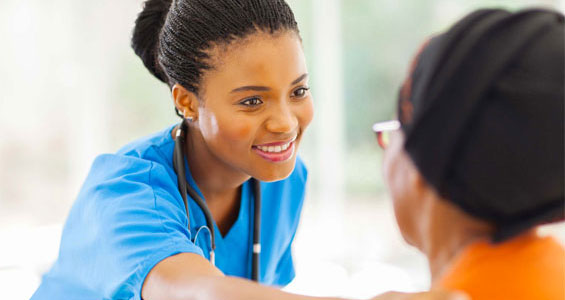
<point x="239" y="81"/>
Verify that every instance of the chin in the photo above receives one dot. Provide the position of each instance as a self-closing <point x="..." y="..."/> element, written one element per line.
<point x="409" y="240"/>
<point x="275" y="171"/>
<point x="405" y="228"/>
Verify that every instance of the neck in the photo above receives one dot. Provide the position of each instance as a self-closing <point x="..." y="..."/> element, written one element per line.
<point x="219" y="183"/>
<point x="214" y="177"/>
<point x="446" y="233"/>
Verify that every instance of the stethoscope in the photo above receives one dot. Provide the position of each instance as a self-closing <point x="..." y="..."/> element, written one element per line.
<point x="184" y="188"/>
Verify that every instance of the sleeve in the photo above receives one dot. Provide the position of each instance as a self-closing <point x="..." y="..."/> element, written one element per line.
<point x="126" y="220"/>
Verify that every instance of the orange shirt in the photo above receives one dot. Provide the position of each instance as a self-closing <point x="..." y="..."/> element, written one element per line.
<point x="528" y="267"/>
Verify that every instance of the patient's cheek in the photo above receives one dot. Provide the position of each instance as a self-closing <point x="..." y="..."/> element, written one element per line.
<point x="398" y="178"/>
<point x="390" y="171"/>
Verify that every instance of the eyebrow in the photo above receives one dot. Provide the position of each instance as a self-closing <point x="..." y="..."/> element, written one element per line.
<point x="264" y="88"/>
<point x="299" y="79"/>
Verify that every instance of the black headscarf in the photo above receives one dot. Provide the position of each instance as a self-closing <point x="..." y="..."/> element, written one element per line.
<point x="483" y="115"/>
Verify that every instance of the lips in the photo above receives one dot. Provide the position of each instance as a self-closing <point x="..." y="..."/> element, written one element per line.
<point x="277" y="151"/>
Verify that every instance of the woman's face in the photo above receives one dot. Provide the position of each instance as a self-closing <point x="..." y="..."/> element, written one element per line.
<point x="256" y="104"/>
<point x="405" y="187"/>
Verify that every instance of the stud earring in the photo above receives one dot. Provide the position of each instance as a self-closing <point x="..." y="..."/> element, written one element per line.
<point x="187" y="117"/>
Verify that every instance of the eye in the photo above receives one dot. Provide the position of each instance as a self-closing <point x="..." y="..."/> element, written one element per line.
<point x="251" y="102"/>
<point x="300" y="92"/>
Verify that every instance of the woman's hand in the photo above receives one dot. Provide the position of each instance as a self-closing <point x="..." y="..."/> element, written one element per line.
<point x="433" y="295"/>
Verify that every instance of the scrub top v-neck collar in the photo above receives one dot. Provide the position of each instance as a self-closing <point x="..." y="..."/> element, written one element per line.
<point x="238" y="236"/>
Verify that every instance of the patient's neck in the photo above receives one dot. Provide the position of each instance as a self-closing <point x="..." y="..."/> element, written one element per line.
<point x="446" y="233"/>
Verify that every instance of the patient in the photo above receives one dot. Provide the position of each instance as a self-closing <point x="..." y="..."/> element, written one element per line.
<point x="477" y="162"/>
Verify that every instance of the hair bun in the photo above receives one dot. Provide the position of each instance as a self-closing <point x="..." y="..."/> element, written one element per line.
<point x="145" y="39"/>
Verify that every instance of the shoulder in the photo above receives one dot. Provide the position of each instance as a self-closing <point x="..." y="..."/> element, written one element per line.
<point x="129" y="215"/>
<point x="125" y="190"/>
<point x="156" y="145"/>
<point x="136" y="175"/>
<point x="121" y="173"/>
<point x="524" y="268"/>
<point x="135" y="162"/>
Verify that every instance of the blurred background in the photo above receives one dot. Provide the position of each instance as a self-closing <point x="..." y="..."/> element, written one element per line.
<point x="71" y="88"/>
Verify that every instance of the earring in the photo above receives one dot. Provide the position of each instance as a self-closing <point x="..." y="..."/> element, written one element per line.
<point x="187" y="117"/>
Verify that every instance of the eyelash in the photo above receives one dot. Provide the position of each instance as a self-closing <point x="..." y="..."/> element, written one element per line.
<point x="247" y="102"/>
<point x="304" y="88"/>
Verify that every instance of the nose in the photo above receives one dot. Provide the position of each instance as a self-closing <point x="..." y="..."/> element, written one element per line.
<point x="282" y="119"/>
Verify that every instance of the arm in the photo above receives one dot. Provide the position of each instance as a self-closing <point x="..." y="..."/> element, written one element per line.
<point x="433" y="295"/>
<point x="191" y="277"/>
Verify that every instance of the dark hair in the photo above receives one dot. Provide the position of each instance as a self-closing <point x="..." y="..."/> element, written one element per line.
<point x="172" y="37"/>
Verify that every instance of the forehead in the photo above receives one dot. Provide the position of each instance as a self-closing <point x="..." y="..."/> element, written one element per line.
<point x="260" y="58"/>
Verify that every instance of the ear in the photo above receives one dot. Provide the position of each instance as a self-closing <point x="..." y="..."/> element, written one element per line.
<point x="185" y="101"/>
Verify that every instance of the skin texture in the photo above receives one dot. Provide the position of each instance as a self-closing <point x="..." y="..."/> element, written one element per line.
<point x="222" y="134"/>
<point x="427" y="221"/>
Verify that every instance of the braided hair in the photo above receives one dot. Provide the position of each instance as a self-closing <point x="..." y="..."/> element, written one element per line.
<point x="173" y="37"/>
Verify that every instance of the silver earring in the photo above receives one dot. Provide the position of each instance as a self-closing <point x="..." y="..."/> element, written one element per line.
<point x="189" y="119"/>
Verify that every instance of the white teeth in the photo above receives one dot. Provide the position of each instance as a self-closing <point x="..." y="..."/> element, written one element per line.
<point x="275" y="149"/>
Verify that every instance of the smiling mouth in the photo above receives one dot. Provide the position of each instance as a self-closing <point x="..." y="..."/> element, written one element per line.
<point x="276" y="152"/>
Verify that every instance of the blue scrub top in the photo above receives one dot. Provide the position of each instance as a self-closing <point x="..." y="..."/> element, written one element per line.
<point x="129" y="216"/>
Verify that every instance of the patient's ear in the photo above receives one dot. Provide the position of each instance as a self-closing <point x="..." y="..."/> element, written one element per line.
<point x="186" y="102"/>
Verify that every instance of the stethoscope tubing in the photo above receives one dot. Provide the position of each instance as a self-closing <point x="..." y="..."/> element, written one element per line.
<point x="256" y="231"/>
<point x="185" y="188"/>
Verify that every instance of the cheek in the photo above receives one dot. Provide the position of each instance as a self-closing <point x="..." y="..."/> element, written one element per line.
<point x="237" y="131"/>
<point x="305" y="113"/>
<point x="394" y="189"/>
<point x="398" y="185"/>
<point x="208" y="124"/>
<point x="243" y="131"/>
<point x="389" y="171"/>
<point x="225" y="130"/>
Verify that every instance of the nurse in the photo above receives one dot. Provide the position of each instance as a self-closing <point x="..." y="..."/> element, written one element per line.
<point x="239" y="82"/>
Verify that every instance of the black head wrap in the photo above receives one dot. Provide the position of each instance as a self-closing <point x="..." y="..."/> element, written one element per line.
<point x="483" y="115"/>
